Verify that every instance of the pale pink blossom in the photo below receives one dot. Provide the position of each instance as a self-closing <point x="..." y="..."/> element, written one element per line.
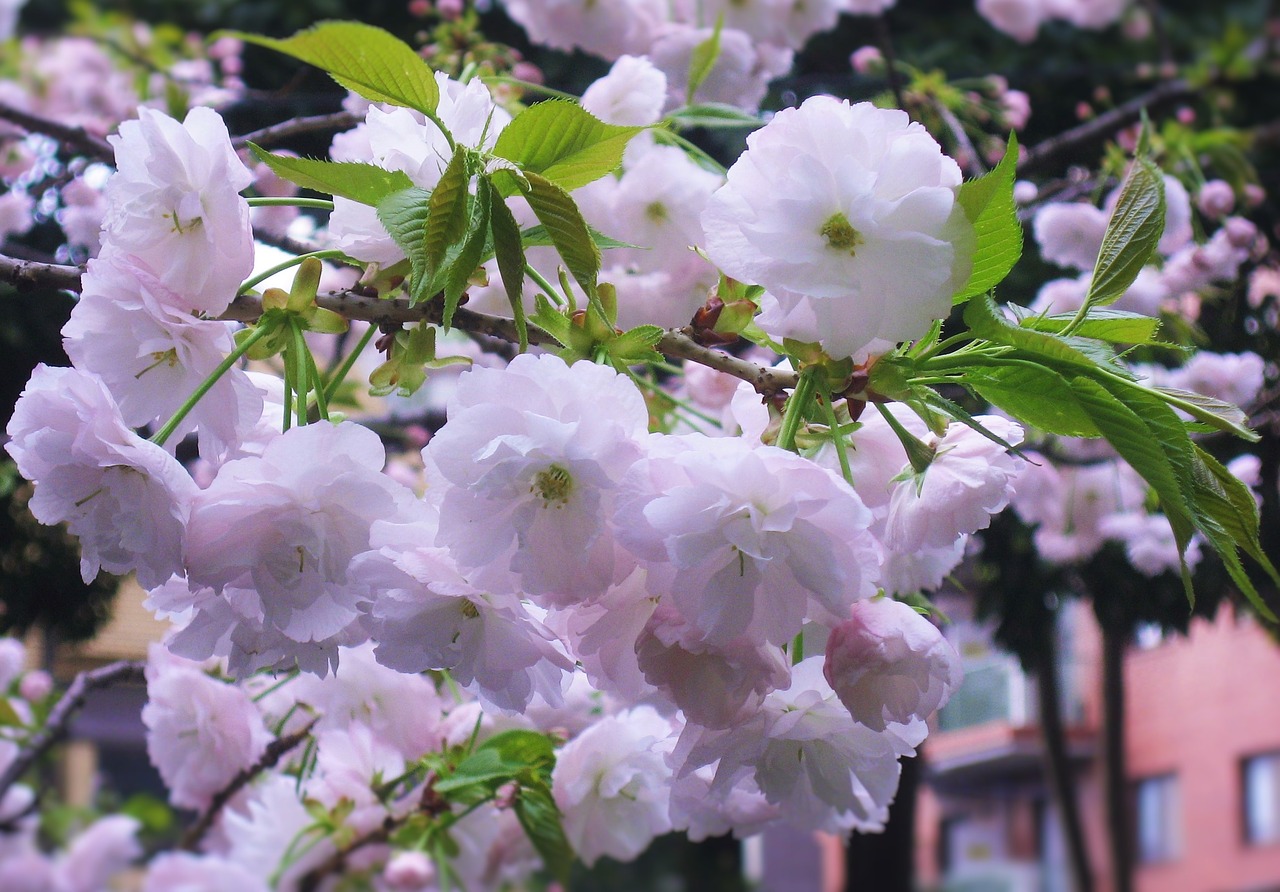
<point x="1235" y="378"/>
<point x="1149" y="542"/>
<point x="127" y="328"/>
<point x="1216" y="199"/>
<point x="847" y="215"/>
<point x="748" y="540"/>
<point x="201" y="732"/>
<point x="175" y="204"/>
<point x="125" y="498"/>
<point x="1070" y="233"/>
<point x="287" y="523"/>
<point x="187" y="872"/>
<point x="632" y="94"/>
<point x="97" y="854"/>
<point x="888" y="663"/>
<point x="1020" y="19"/>
<point x="529" y="460"/>
<point x="740" y="75"/>
<point x="613" y="29"/>
<point x="611" y="783"/>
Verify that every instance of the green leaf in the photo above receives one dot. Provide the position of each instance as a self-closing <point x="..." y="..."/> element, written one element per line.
<point x="986" y="321"/>
<point x="713" y="115"/>
<point x="551" y="320"/>
<point x="563" y="143"/>
<point x="471" y="253"/>
<point x="566" y="228"/>
<point x="511" y="755"/>
<point x="1132" y="234"/>
<point x="703" y="59"/>
<point x="988" y="203"/>
<point x="538" y="237"/>
<point x="364" y="59"/>
<point x="509" y="252"/>
<point x="1221" y="497"/>
<point x="636" y="345"/>
<point x="1113" y="326"/>
<point x="447" y="211"/>
<point x="405" y="215"/>
<point x="1220" y="415"/>
<point x="540" y="818"/>
<point x="365" y="183"/>
<point x="1034" y="394"/>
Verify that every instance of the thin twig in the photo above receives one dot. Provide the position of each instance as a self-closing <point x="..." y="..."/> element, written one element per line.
<point x="1050" y="151"/>
<point x="275" y="751"/>
<point x="55" y="727"/>
<point x="74" y="137"/>
<point x="885" y="41"/>
<point x="278" y="133"/>
<point x="973" y="161"/>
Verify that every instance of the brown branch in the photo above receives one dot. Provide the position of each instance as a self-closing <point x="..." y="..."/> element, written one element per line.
<point x="55" y="727"/>
<point x="278" y="133"/>
<point x="28" y="275"/>
<point x="1049" y="152"/>
<point x="275" y="751"/>
<point x="676" y="343"/>
<point x="74" y="137"/>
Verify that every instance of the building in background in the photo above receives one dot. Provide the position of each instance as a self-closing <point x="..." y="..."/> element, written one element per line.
<point x="1202" y="736"/>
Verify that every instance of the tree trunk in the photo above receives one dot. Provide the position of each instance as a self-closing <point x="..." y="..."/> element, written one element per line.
<point x="885" y="862"/>
<point x="1114" y="781"/>
<point x="1057" y="763"/>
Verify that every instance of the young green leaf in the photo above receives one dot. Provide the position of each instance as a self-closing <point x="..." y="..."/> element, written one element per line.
<point x="368" y="60"/>
<point x="551" y="320"/>
<point x="1034" y="394"/>
<point x="635" y="346"/>
<point x="365" y="183"/>
<point x="405" y="216"/>
<point x="509" y="252"/>
<point x="986" y="321"/>
<point x="471" y="252"/>
<point x="538" y="237"/>
<point x="562" y="142"/>
<point x="447" y="211"/>
<point x="1113" y="326"/>
<point x="567" y="229"/>
<point x="540" y="818"/>
<point x="1218" y="414"/>
<point x="703" y="59"/>
<point x="1132" y="234"/>
<point x="988" y="203"/>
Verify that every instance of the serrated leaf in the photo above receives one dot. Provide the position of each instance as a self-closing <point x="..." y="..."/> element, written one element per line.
<point x="1113" y="326"/>
<point x="1132" y="234"/>
<point x="566" y="228"/>
<point x="509" y="252"/>
<point x="538" y="237"/>
<point x="703" y="59"/>
<point x="986" y="321"/>
<point x="713" y="115"/>
<point x="550" y="320"/>
<point x="405" y="216"/>
<point x="471" y="253"/>
<point x="540" y="818"/>
<point x="1218" y="414"/>
<point x="1034" y="394"/>
<point x="988" y="203"/>
<point x="562" y="142"/>
<point x="447" y="211"/>
<point x="362" y="58"/>
<point x="635" y="345"/>
<point x="365" y="183"/>
<point x="511" y="755"/>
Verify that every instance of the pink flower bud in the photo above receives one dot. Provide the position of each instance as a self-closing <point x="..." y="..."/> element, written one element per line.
<point x="35" y="685"/>
<point x="866" y="59"/>
<point x="408" y="871"/>
<point x="1216" y="199"/>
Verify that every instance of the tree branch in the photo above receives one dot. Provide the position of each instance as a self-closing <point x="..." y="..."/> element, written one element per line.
<point x="275" y="751"/>
<point x="55" y="727"/>
<point x="1050" y="151"/>
<point x="77" y="138"/>
<point x="278" y="133"/>
<point x="28" y="275"/>
<point x="676" y="343"/>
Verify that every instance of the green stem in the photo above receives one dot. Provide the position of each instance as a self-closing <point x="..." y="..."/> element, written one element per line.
<point x="918" y="453"/>
<point x="528" y="85"/>
<point x="699" y="154"/>
<point x="796" y="405"/>
<point x="254" y="281"/>
<point x="266" y="201"/>
<point x="684" y="405"/>
<point x="300" y="376"/>
<point x="347" y="364"/>
<point x="797" y="648"/>
<point x="185" y="409"/>
<point x="541" y="281"/>
<point x="837" y="439"/>
<point x="317" y="386"/>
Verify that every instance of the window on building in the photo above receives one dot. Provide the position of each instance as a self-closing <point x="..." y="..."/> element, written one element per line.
<point x="1157" y="819"/>
<point x="1261" y="776"/>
